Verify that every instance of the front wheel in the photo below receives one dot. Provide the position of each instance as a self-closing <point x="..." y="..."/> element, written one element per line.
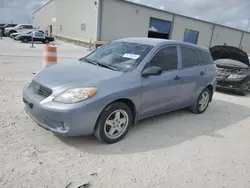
<point x="46" y="41"/>
<point x="11" y="32"/>
<point x="25" y="40"/>
<point x="245" y="89"/>
<point x="113" y="123"/>
<point x="202" y="102"/>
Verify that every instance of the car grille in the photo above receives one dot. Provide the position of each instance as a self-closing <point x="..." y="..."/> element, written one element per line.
<point x="40" y="89"/>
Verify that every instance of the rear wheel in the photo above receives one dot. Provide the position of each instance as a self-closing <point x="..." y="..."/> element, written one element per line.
<point x="25" y="40"/>
<point x="202" y="102"/>
<point x="245" y="88"/>
<point x="113" y="123"/>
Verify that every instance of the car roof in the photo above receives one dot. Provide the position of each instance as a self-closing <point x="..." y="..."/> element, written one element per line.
<point x="159" y="42"/>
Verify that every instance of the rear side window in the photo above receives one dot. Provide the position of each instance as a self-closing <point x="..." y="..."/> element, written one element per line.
<point x="190" y="57"/>
<point x="206" y="57"/>
<point x="28" y="27"/>
<point x="166" y="58"/>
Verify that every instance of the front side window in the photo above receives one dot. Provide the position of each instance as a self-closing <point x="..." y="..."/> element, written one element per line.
<point x="38" y="35"/>
<point x="166" y="58"/>
<point x="122" y="56"/>
<point x="21" y="27"/>
<point x="190" y="57"/>
<point x="28" y="27"/>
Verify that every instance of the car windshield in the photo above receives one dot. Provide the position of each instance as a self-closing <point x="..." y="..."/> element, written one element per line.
<point x="16" y="26"/>
<point x="230" y="62"/>
<point x="122" y="56"/>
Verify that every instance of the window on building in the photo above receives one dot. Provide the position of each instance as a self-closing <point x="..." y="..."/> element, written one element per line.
<point x="159" y="28"/>
<point x="166" y="58"/>
<point x="191" y="36"/>
<point x="83" y="27"/>
<point x="190" y="57"/>
<point x="61" y="27"/>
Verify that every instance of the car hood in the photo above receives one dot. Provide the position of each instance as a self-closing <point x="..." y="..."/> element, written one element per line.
<point x="229" y="52"/>
<point x="71" y="74"/>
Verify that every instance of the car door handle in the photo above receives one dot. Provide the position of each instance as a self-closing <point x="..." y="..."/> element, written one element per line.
<point x="177" y="78"/>
<point x="202" y="73"/>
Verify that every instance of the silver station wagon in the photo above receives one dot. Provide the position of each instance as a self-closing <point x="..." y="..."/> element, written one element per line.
<point x="120" y="83"/>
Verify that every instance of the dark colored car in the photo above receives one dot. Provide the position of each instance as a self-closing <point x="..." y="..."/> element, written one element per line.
<point x="37" y="37"/>
<point x="14" y="35"/>
<point x="233" y="69"/>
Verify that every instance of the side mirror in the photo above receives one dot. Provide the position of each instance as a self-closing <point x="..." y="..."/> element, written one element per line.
<point x="152" y="71"/>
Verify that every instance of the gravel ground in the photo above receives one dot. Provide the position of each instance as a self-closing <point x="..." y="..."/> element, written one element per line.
<point x="178" y="149"/>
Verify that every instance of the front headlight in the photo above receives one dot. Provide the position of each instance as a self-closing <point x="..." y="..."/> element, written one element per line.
<point x="236" y="77"/>
<point x="75" y="95"/>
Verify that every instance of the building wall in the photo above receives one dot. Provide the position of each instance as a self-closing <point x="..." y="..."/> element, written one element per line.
<point x="133" y="21"/>
<point x="120" y="19"/>
<point x="71" y="14"/>
<point x="226" y="35"/>
<point x="43" y="17"/>
<point x="246" y="42"/>
<point x="182" y="23"/>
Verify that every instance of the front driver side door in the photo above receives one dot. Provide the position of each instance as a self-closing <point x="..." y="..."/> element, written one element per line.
<point x="39" y="36"/>
<point x="161" y="93"/>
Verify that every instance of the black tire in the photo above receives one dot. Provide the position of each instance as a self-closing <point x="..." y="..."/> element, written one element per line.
<point x="245" y="88"/>
<point x="195" y="108"/>
<point x="100" y="132"/>
<point x="46" y="41"/>
<point x="25" y="40"/>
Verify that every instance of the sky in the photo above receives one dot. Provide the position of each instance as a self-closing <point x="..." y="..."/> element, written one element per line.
<point x="233" y="13"/>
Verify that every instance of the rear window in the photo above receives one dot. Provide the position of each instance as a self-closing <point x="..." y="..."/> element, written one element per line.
<point x="206" y="57"/>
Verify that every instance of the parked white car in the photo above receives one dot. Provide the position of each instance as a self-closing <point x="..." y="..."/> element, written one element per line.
<point x="18" y="29"/>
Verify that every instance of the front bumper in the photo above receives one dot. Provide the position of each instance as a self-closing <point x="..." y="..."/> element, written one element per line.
<point x="229" y="85"/>
<point x="61" y="119"/>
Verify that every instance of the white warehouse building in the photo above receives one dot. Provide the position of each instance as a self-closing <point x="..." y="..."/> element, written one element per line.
<point x="105" y="20"/>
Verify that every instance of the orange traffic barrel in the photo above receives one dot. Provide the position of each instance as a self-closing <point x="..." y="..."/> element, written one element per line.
<point x="49" y="55"/>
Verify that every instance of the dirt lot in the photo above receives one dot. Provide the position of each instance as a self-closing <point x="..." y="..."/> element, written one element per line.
<point x="179" y="149"/>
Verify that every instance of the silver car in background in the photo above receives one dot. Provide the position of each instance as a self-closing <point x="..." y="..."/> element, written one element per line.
<point x="120" y="83"/>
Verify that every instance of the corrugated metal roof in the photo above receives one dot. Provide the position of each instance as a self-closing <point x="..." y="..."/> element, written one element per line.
<point x="160" y="10"/>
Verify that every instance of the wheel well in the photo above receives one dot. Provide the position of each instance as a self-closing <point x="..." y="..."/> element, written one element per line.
<point x="12" y="31"/>
<point x="210" y="87"/>
<point x="131" y="105"/>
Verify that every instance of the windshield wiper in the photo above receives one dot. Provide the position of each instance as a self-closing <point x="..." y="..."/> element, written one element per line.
<point x="107" y="66"/>
<point x="89" y="61"/>
<point x="98" y="64"/>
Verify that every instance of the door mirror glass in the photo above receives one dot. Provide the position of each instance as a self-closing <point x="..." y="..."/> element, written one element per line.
<point x="152" y="71"/>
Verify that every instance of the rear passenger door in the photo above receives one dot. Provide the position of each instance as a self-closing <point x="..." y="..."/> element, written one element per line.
<point x="192" y="73"/>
